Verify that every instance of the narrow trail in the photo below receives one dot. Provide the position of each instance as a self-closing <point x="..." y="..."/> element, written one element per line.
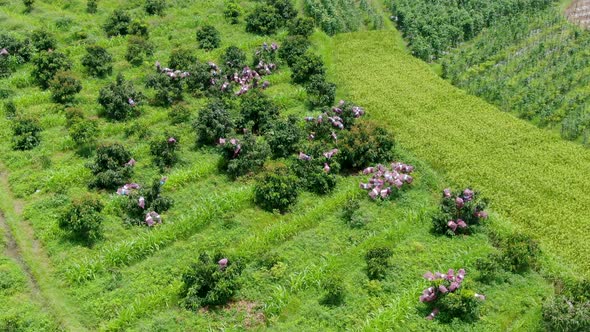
<point x="25" y="249"/>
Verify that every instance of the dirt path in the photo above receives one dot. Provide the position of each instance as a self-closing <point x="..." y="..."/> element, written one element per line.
<point x="579" y="13"/>
<point x="26" y="250"/>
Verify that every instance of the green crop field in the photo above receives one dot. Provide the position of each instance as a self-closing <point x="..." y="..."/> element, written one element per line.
<point x="334" y="259"/>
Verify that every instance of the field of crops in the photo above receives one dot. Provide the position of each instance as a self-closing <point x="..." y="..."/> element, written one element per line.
<point x="336" y="16"/>
<point x="335" y="260"/>
<point x="536" y="66"/>
<point x="535" y="180"/>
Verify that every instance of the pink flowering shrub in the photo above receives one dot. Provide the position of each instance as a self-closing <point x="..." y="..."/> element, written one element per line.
<point x="460" y="212"/>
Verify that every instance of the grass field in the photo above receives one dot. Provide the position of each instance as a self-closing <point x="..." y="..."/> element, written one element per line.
<point x="130" y="279"/>
<point x="535" y="180"/>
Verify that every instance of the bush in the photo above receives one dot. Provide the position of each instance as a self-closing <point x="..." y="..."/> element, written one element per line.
<point x="73" y="116"/>
<point x="155" y="7"/>
<point x="283" y="137"/>
<point x="292" y="48"/>
<point x="232" y="12"/>
<point x="98" y="61"/>
<point x="181" y="59"/>
<point x="233" y="60"/>
<point x="26" y="134"/>
<point x="352" y="215"/>
<point x="111" y="167"/>
<point x="47" y="64"/>
<point x="168" y="89"/>
<point x="519" y="251"/>
<point x="377" y="262"/>
<point x="460" y="212"/>
<point x="243" y="157"/>
<point x="305" y="67"/>
<point x="333" y="289"/>
<point x="264" y="20"/>
<point x="265" y="57"/>
<point x="461" y="304"/>
<point x="10" y="110"/>
<point x="284" y="8"/>
<point x="199" y="80"/>
<point x="137" y="49"/>
<point x="365" y="144"/>
<point x="21" y="49"/>
<point x="82" y="220"/>
<point x="210" y="282"/>
<point x="165" y="152"/>
<point x="312" y="173"/>
<point x="84" y="132"/>
<point x="43" y="40"/>
<point x="91" y="6"/>
<point x="119" y="99"/>
<point x="319" y="92"/>
<point x="213" y="122"/>
<point x="179" y="114"/>
<point x="277" y="190"/>
<point x="64" y="86"/>
<point x="146" y="200"/>
<point x="301" y="26"/>
<point x="257" y="111"/>
<point x="118" y="23"/>
<point x="208" y="37"/>
<point x="139" y="28"/>
<point x="569" y="310"/>
<point x="28" y="5"/>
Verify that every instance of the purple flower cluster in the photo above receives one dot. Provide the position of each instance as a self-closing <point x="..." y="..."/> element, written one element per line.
<point x="235" y="143"/>
<point x="172" y="73"/>
<point x="460" y="200"/>
<point x="396" y="177"/>
<point x="334" y="119"/>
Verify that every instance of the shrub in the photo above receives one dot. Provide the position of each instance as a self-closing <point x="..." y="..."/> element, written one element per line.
<point x="210" y="281"/>
<point x="10" y="110"/>
<point x="569" y="310"/>
<point x="119" y="99"/>
<point x="277" y="190"/>
<point x="233" y="60"/>
<point x="91" y="6"/>
<point x="257" y="111"/>
<point x="26" y="134"/>
<point x="333" y="290"/>
<point x="28" y="5"/>
<point x="199" y="80"/>
<point x="264" y="20"/>
<point x="155" y="7"/>
<point x="168" y="89"/>
<point x="305" y="67"/>
<point x="82" y="220"/>
<point x="491" y="268"/>
<point x="292" y="48"/>
<point x="319" y="92"/>
<point x="111" y="167"/>
<point x="118" y="23"/>
<point x="242" y="157"/>
<point x="47" y="64"/>
<point x="364" y="144"/>
<point x="181" y="58"/>
<point x="232" y="12"/>
<point x="165" y="152"/>
<point x="313" y="174"/>
<point x="350" y="208"/>
<point x="137" y="49"/>
<point x="73" y="115"/>
<point x="98" y="61"/>
<point x="84" y="132"/>
<point x="146" y="201"/>
<point x="301" y="26"/>
<point x="21" y="49"/>
<point x="284" y="8"/>
<point x="179" y="114"/>
<point x="43" y="40"/>
<point x="377" y="262"/>
<point x="450" y="297"/>
<point x="64" y="86"/>
<point x="283" y="137"/>
<point x="265" y="57"/>
<point x="460" y="212"/>
<point x="208" y="37"/>
<point x="213" y="122"/>
<point x="519" y="252"/>
<point x="139" y="28"/>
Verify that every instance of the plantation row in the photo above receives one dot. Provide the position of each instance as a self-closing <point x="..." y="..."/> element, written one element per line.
<point x="534" y="65"/>
<point x="337" y="16"/>
<point x="433" y="28"/>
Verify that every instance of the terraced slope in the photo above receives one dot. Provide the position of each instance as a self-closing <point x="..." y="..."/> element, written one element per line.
<point x="533" y="178"/>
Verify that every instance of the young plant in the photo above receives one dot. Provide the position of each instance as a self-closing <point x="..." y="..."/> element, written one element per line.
<point x="144" y="205"/>
<point x="118" y="23"/>
<point x="92" y="6"/>
<point x="26" y="134"/>
<point x="155" y="7"/>
<point x="569" y="309"/>
<point x="165" y="152"/>
<point x="112" y="167"/>
<point x="277" y="190"/>
<point x="82" y="220"/>
<point x="378" y="262"/>
<point x="208" y="37"/>
<point x="232" y="12"/>
<point x="137" y="49"/>
<point x="98" y="61"/>
<point x="64" y="87"/>
<point x="119" y="99"/>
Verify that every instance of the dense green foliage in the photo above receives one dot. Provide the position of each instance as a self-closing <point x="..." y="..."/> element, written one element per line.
<point x="47" y="64"/>
<point x="430" y="35"/>
<point x="257" y="112"/>
<point x="155" y="7"/>
<point x="119" y="99"/>
<point x="307" y="66"/>
<point x="213" y="122"/>
<point x="264" y="20"/>
<point x="165" y="152"/>
<point x="146" y="200"/>
<point x="64" y="86"/>
<point x="292" y="48"/>
<point x="118" y="23"/>
<point x="98" y="61"/>
<point x="246" y="156"/>
<point x="26" y="133"/>
<point x="82" y="219"/>
<point x="276" y="190"/>
<point x="209" y="282"/>
<point x="334" y="16"/>
<point x="283" y="136"/>
<point x="111" y="167"/>
<point x="377" y="260"/>
<point x="208" y="37"/>
<point x="534" y="65"/>
<point x="137" y="49"/>
<point x="569" y="310"/>
<point x="43" y="40"/>
<point x="365" y="144"/>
